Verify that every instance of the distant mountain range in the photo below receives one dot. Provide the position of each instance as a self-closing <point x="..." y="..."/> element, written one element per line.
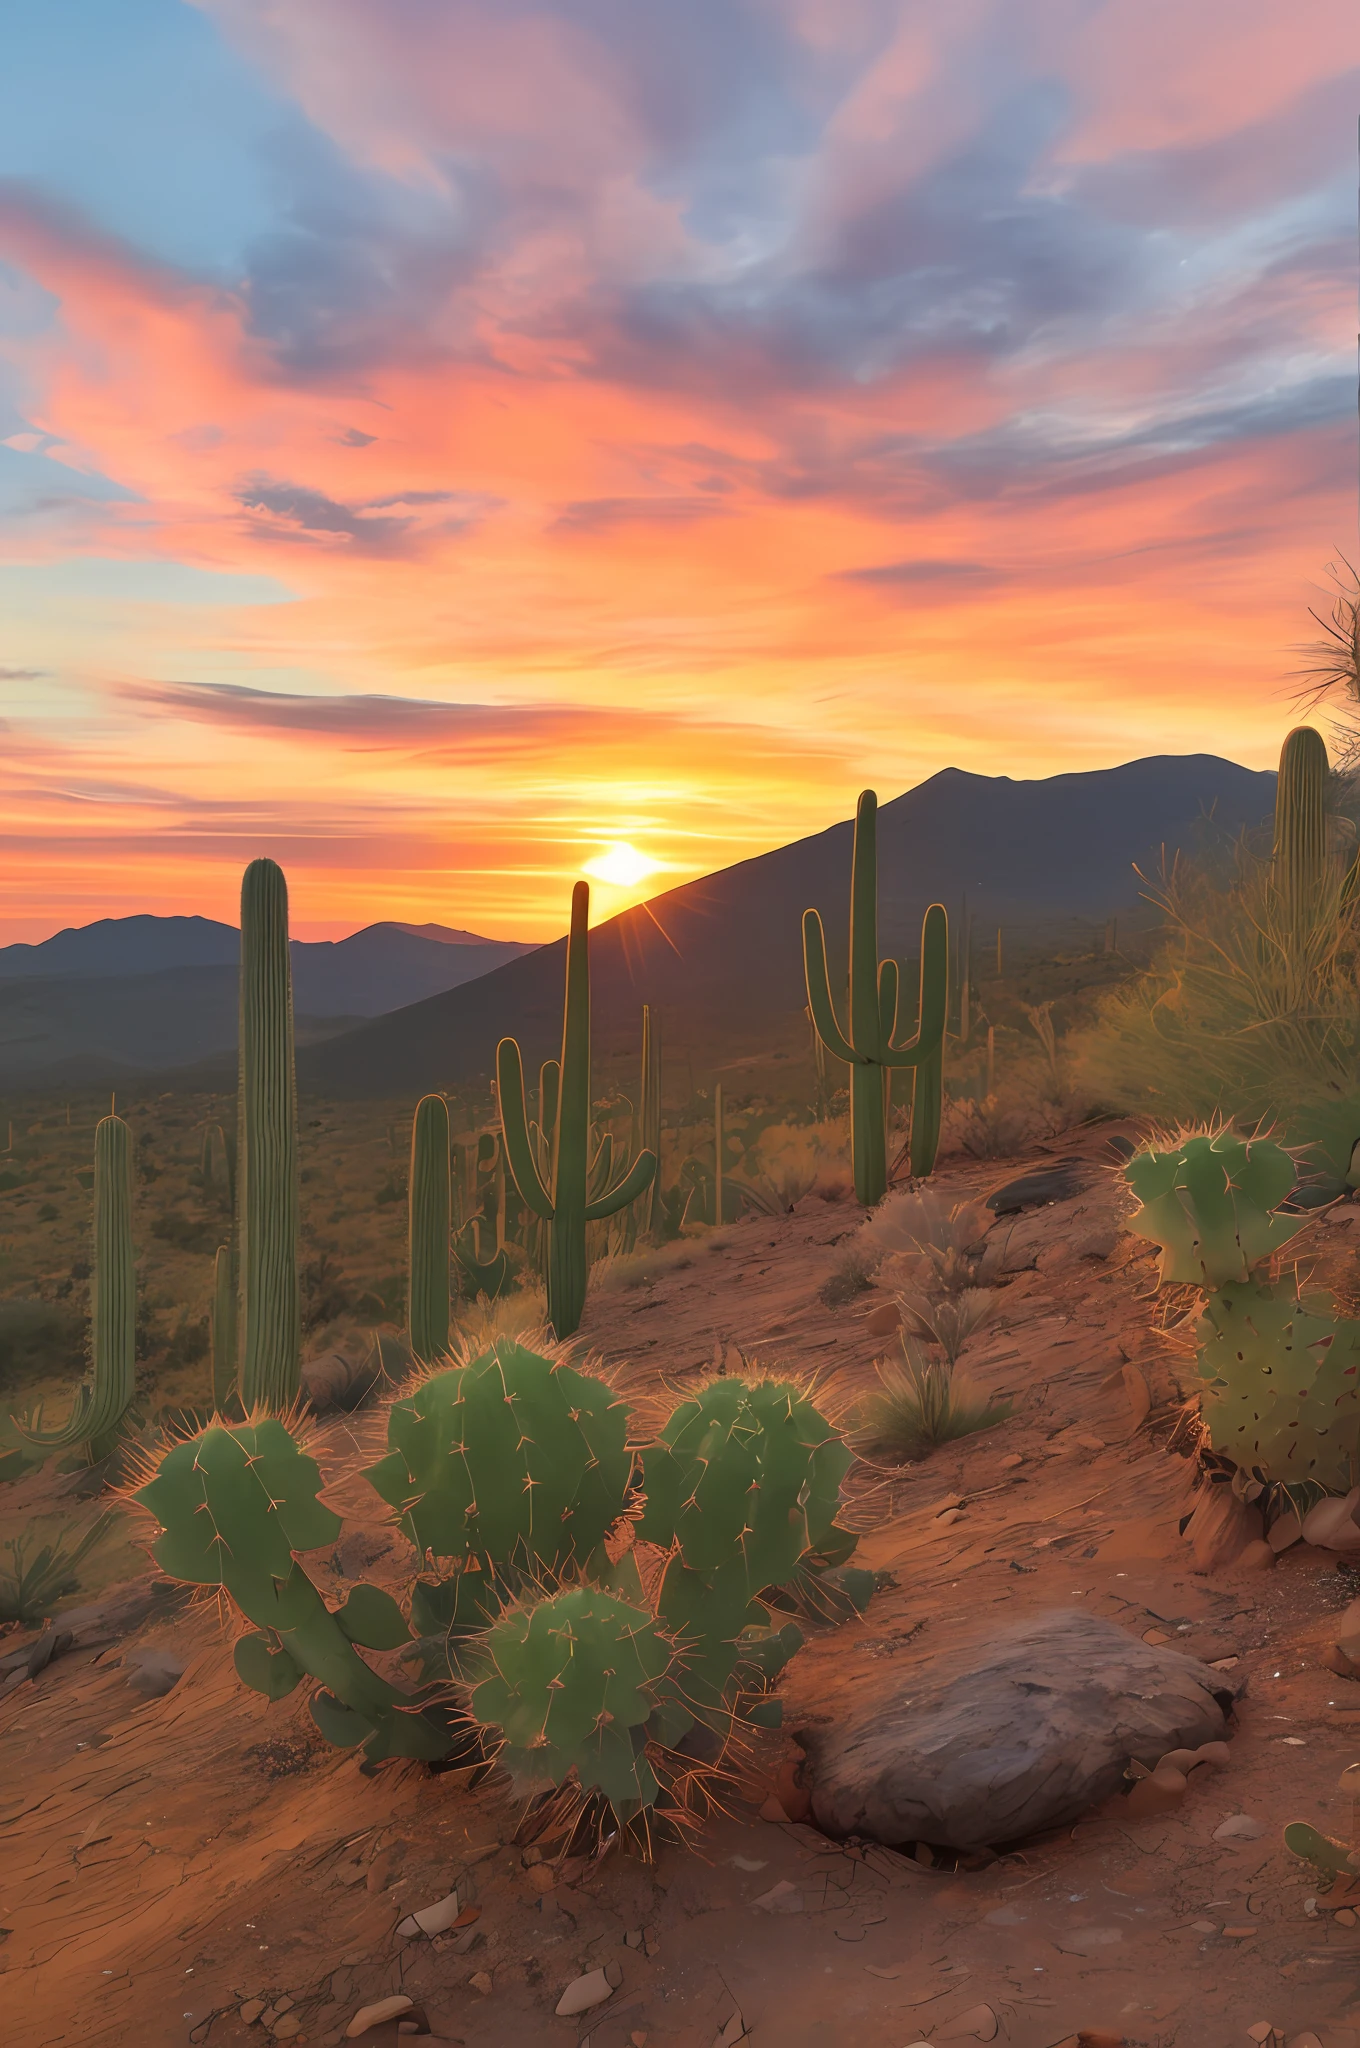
<point x="147" y="994"/>
<point x="721" y="958"/>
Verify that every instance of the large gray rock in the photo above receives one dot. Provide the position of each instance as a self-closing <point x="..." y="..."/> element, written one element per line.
<point x="994" y="1742"/>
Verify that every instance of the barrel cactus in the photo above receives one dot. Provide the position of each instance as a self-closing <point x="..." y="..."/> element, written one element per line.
<point x="232" y="1504"/>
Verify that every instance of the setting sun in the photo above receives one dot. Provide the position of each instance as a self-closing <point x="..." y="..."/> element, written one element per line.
<point x="622" y="865"/>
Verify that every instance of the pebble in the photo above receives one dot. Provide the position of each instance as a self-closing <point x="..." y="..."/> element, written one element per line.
<point x="284" y="2029"/>
<point x="1010" y="1461"/>
<point x="480" y="1980"/>
<point x="374" y="2015"/>
<point x="590" y="1990"/>
<point x="430" y="1919"/>
<point x="1239" y="1827"/>
<point x="251" y="2011"/>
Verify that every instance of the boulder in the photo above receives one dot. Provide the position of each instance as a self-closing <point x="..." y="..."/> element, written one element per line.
<point x="987" y="1743"/>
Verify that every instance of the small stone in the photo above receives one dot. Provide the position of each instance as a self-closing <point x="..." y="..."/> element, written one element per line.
<point x="541" y="1878"/>
<point x="1237" y="1933"/>
<point x="433" y="1919"/>
<point x="480" y="1980"/>
<point x="1262" y="2031"/>
<point x="530" y="1857"/>
<point x="634" y="1937"/>
<point x="1224" y="1664"/>
<point x="771" y="1810"/>
<point x="781" y="1898"/>
<point x="1239" y="1827"/>
<point x="747" y="1863"/>
<point x="284" y="2004"/>
<point x="637" y="2038"/>
<point x="467" y="1916"/>
<point x="251" y="2011"/>
<point x="1345" y="1918"/>
<point x="583" y="1993"/>
<point x="284" y="2029"/>
<point x="1155" y="1635"/>
<point x="374" y="2015"/>
<point x="948" y="1518"/>
<point x="1205" y="1926"/>
<point x="1010" y="1461"/>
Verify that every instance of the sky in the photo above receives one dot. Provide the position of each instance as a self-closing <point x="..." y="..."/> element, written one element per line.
<point x="442" y="440"/>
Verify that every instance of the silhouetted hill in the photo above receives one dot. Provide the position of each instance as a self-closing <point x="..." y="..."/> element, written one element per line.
<point x="155" y="993"/>
<point x="722" y="957"/>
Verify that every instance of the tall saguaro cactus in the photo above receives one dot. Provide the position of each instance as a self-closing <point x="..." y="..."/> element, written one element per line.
<point x="267" y="1171"/>
<point x="1301" y="825"/>
<point x="431" y="1214"/>
<point x="866" y="1045"/>
<point x="561" y="1197"/>
<point x="104" y="1399"/>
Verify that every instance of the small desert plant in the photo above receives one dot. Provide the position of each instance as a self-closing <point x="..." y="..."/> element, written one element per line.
<point x="852" y="1276"/>
<point x="922" y="1403"/>
<point x="31" y="1586"/>
<point x="916" y="1223"/>
<point x="521" y="1314"/>
<point x="948" y="1323"/>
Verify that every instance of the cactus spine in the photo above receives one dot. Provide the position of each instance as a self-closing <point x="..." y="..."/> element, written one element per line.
<point x="1301" y="825"/>
<point x="223" y="1329"/>
<point x="103" y="1401"/>
<point x="271" y="1357"/>
<point x="562" y="1200"/>
<point x="867" y="1046"/>
<point x="430" y="1198"/>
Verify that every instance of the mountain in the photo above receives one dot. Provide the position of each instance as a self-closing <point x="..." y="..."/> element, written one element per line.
<point x="154" y="993"/>
<point x="722" y="957"/>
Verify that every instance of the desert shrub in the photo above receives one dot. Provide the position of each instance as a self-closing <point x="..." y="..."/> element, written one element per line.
<point x="950" y="1322"/>
<point x="38" y="1340"/>
<point x="521" y="1314"/>
<point x="851" y="1276"/>
<point x="33" y="1582"/>
<point x="793" y="1159"/>
<point x="1242" y="1012"/>
<point x="184" y="1233"/>
<point x="916" y="1226"/>
<point x="924" y="1402"/>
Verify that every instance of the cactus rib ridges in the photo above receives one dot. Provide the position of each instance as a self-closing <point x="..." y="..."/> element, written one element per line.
<point x="271" y="1356"/>
<point x="1301" y="824"/>
<point x="430" y="1199"/>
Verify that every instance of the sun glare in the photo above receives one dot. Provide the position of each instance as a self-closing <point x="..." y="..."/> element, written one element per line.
<point x="621" y="865"/>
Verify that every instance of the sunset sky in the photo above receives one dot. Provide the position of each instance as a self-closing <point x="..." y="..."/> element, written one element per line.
<point x="442" y="439"/>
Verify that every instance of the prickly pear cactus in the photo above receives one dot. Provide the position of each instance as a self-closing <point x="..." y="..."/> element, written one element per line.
<point x="1279" y="1386"/>
<point x="513" y="1460"/>
<point x="571" y="1685"/>
<point x="748" y="1469"/>
<point x="1209" y="1204"/>
<point x="233" y="1504"/>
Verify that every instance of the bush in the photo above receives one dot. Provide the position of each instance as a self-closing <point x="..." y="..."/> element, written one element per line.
<point x="923" y="1403"/>
<point x="39" y="1339"/>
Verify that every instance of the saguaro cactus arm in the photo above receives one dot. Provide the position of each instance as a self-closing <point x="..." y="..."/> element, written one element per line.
<point x="934" y="994"/>
<point x="635" y="1182"/>
<point x="515" y="1124"/>
<point x="819" y="990"/>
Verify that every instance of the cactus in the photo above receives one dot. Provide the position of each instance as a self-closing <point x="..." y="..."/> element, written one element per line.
<point x="649" y="1118"/>
<point x="510" y="1460"/>
<point x="571" y="1685"/>
<point x="1279" y="1381"/>
<point x="104" y="1400"/>
<point x="562" y="1198"/>
<point x="485" y="1267"/>
<point x="430" y="1217"/>
<point x="1301" y="826"/>
<point x="223" y="1328"/>
<point x="271" y="1356"/>
<point x="232" y="1505"/>
<point x="866" y="1046"/>
<point x="741" y="1488"/>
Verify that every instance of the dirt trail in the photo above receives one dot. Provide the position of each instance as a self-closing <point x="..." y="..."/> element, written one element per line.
<point x="162" y="1861"/>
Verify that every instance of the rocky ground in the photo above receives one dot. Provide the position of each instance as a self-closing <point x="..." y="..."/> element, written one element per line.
<point x="198" y="1867"/>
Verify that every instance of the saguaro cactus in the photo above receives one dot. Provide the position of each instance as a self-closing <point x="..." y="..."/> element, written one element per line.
<point x="649" y="1115"/>
<point x="562" y="1199"/>
<point x="267" y="1177"/>
<point x="223" y="1329"/>
<point x="866" y="1046"/>
<point x="1301" y="824"/>
<point x="104" y="1399"/>
<point x="430" y="1198"/>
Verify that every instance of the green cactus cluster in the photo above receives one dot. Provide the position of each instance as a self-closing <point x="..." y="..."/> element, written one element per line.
<point x="866" y="1045"/>
<point x="1278" y="1379"/>
<point x="582" y="1659"/>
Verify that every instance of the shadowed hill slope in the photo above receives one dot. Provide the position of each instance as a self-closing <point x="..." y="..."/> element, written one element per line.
<point x="722" y="957"/>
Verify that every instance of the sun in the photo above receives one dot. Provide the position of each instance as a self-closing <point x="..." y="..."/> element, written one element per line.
<point x="621" y="865"/>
